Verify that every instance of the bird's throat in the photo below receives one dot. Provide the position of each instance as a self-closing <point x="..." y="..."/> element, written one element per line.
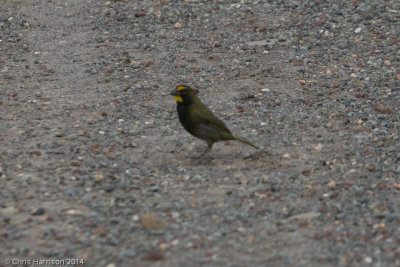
<point x="178" y="98"/>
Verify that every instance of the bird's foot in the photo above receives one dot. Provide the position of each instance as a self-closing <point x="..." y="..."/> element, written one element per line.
<point x="204" y="160"/>
<point x="202" y="154"/>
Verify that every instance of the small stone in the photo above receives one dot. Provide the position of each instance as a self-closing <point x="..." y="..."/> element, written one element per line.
<point x="368" y="260"/>
<point x="140" y="14"/>
<point x="268" y="42"/>
<point x="383" y="109"/>
<point x="302" y="82"/>
<point x="332" y="184"/>
<point x="175" y="215"/>
<point x="109" y="188"/>
<point x="305" y="216"/>
<point x="94" y="147"/>
<point x="163" y="245"/>
<point x="319" y="147"/>
<point x="9" y="211"/>
<point x="156" y="188"/>
<point x="154" y="255"/>
<point x="358" y="30"/>
<point x="99" y="177"/>
<point x="335" y="84"/>
<point x="240" y="108"/>
<point x="38" y="212"/>
<point x="74" y="212"/>
<point x="371" y="167"/>
<point x="58" y="134"/>
<point x="379" y="225"/>
<point x="177" y="25"/>
<point x="151" y="221"/>
<point x="396" y="186"/>
<point x="101" y="231"/>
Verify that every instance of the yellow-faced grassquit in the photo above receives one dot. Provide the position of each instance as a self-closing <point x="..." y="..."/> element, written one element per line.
<point x="199" y="121"/>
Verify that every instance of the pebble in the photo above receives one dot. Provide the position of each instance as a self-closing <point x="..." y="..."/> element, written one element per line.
<point x="38" y="212"/>
<point x="368" y="260"/>
<point x="319" y="147"/>
<point x="383" y="109"/>
<point x="99" y="177"/>
<point x="9" y="211"/>
<point x="332" y="184"/>
<point x="175" y="215"/>
<point x="150" y="221"/>
<point x="305" y="216"/>
<point x="154" y="255"/>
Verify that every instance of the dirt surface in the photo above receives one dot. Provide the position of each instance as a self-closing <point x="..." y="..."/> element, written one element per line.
<point x="94" y="164"/>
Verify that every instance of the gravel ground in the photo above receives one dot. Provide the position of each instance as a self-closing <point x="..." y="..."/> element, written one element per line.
<point x="94" y="164"/>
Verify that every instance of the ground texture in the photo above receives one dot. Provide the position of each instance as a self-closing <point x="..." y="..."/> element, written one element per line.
<point x="94" y="164"/>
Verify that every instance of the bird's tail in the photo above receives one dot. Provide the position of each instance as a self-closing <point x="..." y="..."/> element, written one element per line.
<point x="244" y="140"/>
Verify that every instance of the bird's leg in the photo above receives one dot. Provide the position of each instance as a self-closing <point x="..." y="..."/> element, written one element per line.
<point x="209" y="146"/>
<point x="205" y="152"/>
<point x="202" y="159"/>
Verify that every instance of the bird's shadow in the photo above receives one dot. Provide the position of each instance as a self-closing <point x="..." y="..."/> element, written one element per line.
<point x="214" y="157"/>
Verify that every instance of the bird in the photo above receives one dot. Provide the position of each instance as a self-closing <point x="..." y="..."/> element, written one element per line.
<point x="199" y="121"/>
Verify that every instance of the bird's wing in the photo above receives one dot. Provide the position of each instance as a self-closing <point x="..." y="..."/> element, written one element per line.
<point x="204" y="117"/>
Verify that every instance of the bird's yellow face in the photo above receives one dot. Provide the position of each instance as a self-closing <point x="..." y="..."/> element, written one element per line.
<point x="179" y="98"/>
<point x="182" y="92"/>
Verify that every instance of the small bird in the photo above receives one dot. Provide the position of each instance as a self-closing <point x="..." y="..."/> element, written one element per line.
<point x="199" y="121"/>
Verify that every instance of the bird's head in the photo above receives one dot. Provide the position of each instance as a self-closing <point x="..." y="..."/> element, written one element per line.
<point x="184" y="94"/>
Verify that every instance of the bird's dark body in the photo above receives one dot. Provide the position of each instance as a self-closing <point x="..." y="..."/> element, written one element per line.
<point x="203" y="124"/>
<point x="199" y="121"/>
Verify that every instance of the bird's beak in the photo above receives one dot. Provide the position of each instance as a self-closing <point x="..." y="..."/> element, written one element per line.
<point x="174" y="92"/>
